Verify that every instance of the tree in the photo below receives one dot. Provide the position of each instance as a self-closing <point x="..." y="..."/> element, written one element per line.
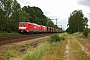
<point x="77" y="22"/>
<point x="85" y="32"/>
<point x="8" y="9"/>
<point x="50" y="23"/>
<point x="2" y="19"/>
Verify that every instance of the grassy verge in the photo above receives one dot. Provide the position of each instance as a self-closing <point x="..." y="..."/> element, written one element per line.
<point x="46" y="51"/>
<point x="37" y="53"/>
<point x="10" y="53"/>
<point x="43" y="51"/>
<point x="7" y="34"/>
<point x="56" y="51"/>
<point x="77" y="52"/>
<point x="84" y="41"/>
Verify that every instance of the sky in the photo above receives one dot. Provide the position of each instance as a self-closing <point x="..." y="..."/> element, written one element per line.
<point x="59" y="9"/>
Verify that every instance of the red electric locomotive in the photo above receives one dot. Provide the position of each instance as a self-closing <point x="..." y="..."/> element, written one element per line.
<point x="27" y="27"/>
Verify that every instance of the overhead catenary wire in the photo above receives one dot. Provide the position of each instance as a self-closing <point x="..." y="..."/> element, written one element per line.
<point x="25" y="2"/>
<point x="21" y="1"/>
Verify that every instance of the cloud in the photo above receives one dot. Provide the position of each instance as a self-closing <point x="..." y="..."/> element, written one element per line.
<point x="88" y="14"/>
<point x="84" y="2"/>
<point x="46" y="12"/>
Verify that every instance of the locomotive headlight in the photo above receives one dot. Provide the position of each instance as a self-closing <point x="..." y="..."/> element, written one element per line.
<point x="27" y="30"/>
<point x="21" y="30"/>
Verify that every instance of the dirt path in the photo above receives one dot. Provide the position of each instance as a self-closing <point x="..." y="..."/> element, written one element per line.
<point x="67" y="52"/>
<point x="75" y="50"/>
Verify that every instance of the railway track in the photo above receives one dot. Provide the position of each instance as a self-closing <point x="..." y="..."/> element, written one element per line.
<point x="17" y="38"/>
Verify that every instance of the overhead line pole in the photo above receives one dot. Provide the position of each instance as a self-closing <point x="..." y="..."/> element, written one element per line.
<point x="56" y="23"/>
<point x="55" y="19"/>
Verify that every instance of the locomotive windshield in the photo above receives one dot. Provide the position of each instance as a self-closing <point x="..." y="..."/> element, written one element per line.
<point x="22" y="24"/>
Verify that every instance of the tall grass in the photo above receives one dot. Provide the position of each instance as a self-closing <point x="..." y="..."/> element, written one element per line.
<point x="11" y="53"/>
<point x="38" y="52"/>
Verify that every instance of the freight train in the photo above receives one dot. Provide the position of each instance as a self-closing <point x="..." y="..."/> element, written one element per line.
<point x="28" y="27"/>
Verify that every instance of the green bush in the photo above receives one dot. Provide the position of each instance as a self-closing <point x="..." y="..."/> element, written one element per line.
<point x="89" y="35"/>
<point x="55" y="38"/>
<point x="85" y="32"/>
<point x="62" y="38"/>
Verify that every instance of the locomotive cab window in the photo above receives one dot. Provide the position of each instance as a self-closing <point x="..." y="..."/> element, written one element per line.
<point x="22" y="24"/>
